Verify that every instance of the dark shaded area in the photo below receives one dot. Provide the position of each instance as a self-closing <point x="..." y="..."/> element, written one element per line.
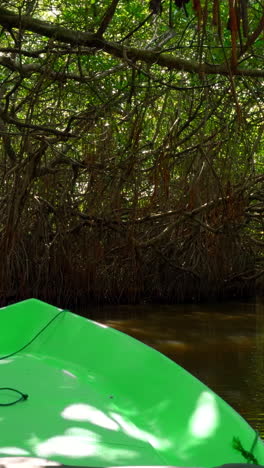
<point x="131" y="145"/>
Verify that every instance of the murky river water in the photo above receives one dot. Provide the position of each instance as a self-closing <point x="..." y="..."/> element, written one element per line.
<point x="222" y="345"/>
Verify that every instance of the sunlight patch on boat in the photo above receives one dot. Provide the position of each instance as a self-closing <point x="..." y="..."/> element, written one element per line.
<point x="75" y="442"/>
<point x="13" y="451"/>
<point x="65" y="371"/>
<point x="71" y="446"/>
<point x="133" y="431"/>
<point x="84" y="412"/>
<point x="205" y="419"/>
<point x="79" y="443"/>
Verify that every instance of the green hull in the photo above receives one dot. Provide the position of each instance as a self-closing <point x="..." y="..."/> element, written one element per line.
<point x="98" y="397"/>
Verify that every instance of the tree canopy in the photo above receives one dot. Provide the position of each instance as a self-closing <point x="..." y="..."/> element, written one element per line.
<point x="132" y="148"/>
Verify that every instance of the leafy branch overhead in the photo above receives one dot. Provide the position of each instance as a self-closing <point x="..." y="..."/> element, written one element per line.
<point x="209" y="38"/>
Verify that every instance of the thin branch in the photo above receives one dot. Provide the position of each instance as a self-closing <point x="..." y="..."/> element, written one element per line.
<point x="137" y="28"/>
<point x="257" y="241"/>
<point x="47" y="130"/>
<point x="253" y="36"/>
<point x="173" y="265"/>
<point x="107" y="18"/>
<point x="26" y="53"/>
<point x="29" y="69"/>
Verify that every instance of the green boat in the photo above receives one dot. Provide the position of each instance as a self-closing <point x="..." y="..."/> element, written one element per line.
<point x="80" y="393"/>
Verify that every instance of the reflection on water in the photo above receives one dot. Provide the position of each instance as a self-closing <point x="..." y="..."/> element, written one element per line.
<point x="221" y="344"/>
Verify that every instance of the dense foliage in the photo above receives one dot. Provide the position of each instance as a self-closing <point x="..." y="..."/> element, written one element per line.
<point x="131" y="159"/>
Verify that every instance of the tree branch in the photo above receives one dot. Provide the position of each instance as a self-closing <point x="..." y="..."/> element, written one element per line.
<point x="107" y="18"/>
<point x="9" y="19"/>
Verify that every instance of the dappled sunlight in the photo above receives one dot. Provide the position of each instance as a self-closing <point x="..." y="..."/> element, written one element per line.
<point x="205" y="418"/>
<point x="16" y="451"/>
<point x="132" y="430"/>
<point x="84" y="412"/>
<point x="80" y="443"/>
<point x="128" y="445"/>
<point x="202" y="425"/>
<point x="76" y="442"/>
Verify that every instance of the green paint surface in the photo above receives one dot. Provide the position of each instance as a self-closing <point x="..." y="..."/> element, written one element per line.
<point x="98" y="397"/>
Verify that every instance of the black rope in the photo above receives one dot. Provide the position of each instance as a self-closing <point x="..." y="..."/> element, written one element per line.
<point x="23" y="396"/>
<point x="34" y="337"/>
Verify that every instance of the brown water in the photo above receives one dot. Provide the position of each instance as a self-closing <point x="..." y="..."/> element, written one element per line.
<point x="221" y="344"/>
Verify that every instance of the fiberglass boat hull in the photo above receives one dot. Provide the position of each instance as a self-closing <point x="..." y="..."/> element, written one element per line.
<point x="99" y="397"/>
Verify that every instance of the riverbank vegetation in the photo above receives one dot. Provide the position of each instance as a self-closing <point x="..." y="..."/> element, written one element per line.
<point x="131" y="158"/>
